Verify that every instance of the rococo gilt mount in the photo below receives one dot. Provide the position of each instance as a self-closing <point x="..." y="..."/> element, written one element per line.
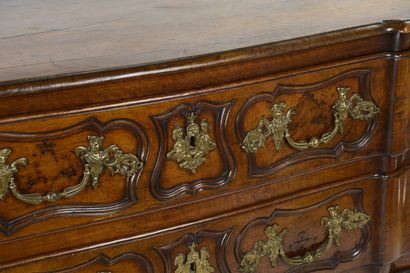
<point x="277" y="127"/>
<point x="187" y="137"/>
<point x="192" y="144"/>
<point x="94" y="158"/>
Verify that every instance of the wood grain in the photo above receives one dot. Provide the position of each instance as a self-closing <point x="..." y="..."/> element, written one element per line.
<point x="60" y="37"/>
<point x="301" y="213"/>
<point x="85" y="43"/>
<point x="227" y="170"/>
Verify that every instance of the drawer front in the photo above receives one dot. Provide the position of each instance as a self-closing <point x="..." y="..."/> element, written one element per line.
<point x="82" y="168"/>
<point x="125" y="160"/>
<point x="397" y="223"/>
<point x="332" y="230"/>
<point x="297" y="122"/>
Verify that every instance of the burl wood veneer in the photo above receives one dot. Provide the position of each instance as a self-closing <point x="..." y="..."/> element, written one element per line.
<point x="128" y="159"/>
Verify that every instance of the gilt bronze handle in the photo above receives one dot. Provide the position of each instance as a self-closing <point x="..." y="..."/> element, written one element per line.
<point x="95" y="159"/>
<point x="273" y="246"/>
<point x="277" y="127"/>
<point x="193" y="262"/>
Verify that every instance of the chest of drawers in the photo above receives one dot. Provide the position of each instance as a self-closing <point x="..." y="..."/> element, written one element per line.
<point x="290" y="156"/>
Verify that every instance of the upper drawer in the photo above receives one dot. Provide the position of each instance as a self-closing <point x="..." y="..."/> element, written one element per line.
<point x="299" y="122"/>
<point x="139" y="156"/>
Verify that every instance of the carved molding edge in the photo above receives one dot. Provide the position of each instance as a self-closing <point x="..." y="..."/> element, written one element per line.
<point x="220" y="237"/>
<point x="105" y="260"/>
<point x="364" y="91"/>
<point x="220" y="113"/>
<point x="8" y="226"/>
<point x="338" y="257"/>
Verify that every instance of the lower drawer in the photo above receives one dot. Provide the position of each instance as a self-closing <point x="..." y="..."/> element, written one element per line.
<point x="332" y="229"/>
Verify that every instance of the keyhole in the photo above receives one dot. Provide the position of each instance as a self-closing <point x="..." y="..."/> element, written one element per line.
<point x="192" y="141"/>
<point x="192" y="268"/>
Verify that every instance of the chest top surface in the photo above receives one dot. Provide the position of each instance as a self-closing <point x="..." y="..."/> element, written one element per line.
<point x="48" y="38"/>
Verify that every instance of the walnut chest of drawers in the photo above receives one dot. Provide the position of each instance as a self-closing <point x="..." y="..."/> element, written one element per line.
<point x="290" y="156"/>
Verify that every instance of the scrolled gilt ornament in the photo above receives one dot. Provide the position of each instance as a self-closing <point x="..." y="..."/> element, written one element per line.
<point x="95" y="160"/>
<point x="7" y="171"/>
<point x="273" y="247"/>
<point x="192" y="144"/>
<point x="277" y="126"/>
<point x="193" y="262"/>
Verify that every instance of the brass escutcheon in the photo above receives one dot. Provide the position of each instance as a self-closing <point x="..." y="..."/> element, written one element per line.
<point x="192" y="144"/>
<point x="194" y="262"/>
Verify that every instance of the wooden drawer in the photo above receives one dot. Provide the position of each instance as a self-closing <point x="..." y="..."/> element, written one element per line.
<point x="223" y="240"/>
<point x="283" y="157"/>
<point x="149" y="132"/>
<point x="299" y="122"/>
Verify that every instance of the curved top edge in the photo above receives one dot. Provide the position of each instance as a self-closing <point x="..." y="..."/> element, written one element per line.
<point x="81" y="78"/>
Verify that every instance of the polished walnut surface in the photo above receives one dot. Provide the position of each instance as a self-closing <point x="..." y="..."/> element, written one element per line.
<point x="59" y="37"/>
<point x="153" y="168"/>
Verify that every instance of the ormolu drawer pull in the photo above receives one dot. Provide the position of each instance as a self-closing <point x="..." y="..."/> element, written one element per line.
<point x="192" y="144"/>
<point x="273" y="246"/>
<point x="278" y="126"/>
<point x="193" y="262"/>
<point x="94" y="158"/>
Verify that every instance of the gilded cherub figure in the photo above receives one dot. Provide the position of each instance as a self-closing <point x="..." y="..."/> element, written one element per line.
<point x="333" y="224"/>
<point x="192" y="146"/>
<point x="194" y="261"/>
<point x="278" y="127"/>
<point x="93" y="157"/>
<point x="341" y="108"/>
<point x="180" y="151"/>
<point x="274" y="244"/>
<point x="179" y="263"/>
<point x="204" y="141"/>
<point x="203" y="265"/>
<point x="256" y="138"/>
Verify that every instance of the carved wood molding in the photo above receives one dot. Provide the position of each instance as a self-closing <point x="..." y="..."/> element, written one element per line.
<point x="220" y="112"/>
<point x="9" y="226"/>
<point x="219" y="252"/>
<point x="338" y="257"/>
<point x="362" y="75"/>
<point x="105" y="260"/>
